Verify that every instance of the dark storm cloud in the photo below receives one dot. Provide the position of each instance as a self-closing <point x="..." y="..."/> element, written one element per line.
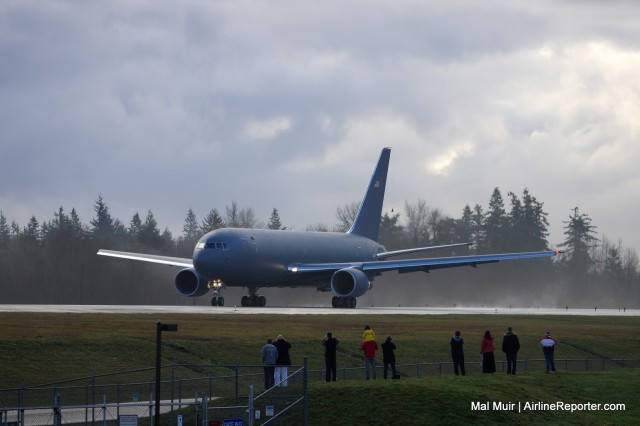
<point x="284" y="104"/>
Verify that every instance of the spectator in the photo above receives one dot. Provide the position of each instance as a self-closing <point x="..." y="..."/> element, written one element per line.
<point x="389" y="358"/>
<point x="269" y="356"/>
<point x="369" y="349"/>
<point x="368" y="334"/>
<point x="330" y="344"/>
<point x="486" y="352"/>
<point x="511" y="346"/>
<point x="548" y="347"/>
<point x="457" y="353"/>
<point x="283" y="362"/>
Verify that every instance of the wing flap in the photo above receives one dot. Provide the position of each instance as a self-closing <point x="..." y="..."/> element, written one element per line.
<point x="413" y="265"/>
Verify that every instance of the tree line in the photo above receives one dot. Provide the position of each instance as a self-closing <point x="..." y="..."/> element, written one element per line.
<point x="54" y="261"/>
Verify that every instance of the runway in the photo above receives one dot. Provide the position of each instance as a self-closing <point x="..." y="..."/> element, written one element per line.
<point x="288" y="310"/>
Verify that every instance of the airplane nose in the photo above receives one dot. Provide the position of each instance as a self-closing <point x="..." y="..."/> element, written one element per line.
<point x="203" y="262"/>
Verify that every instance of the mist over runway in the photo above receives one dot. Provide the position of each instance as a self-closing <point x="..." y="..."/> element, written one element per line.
<point x="292" y="310"/>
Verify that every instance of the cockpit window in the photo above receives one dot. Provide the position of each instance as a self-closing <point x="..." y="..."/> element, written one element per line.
<point x="217" y="245"/>
<point x="200" y="246"/>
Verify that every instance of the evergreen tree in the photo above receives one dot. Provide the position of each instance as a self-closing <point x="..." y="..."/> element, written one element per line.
<point x="149" y="233"/>
<point x="528" y="223"/>
<point x="580" y="239"/>
<point x="32" y="231"/>
<point x="496" y="223"/>
<point x="190" y="230"/>
<point x="212" y="222"/>
<point x="464" y="228"/>
<point x="76" y="230"/>
<point x="274" y="221"/>
<point x="135" y="226"/>
<point x="103" y="226"/>
<point x="5" y="232"/>
<point x="479" y="234"/>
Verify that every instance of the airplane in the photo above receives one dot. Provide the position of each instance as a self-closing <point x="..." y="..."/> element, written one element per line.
<point x="343" y="263"/>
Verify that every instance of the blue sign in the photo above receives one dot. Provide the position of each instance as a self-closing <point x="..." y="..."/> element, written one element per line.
<point x="233" y="422"/>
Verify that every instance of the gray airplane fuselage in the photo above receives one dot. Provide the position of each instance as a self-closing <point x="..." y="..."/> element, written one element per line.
<point x="262" y="257"/>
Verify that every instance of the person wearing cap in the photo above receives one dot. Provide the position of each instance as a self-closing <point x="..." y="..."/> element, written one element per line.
<point x="548" y="346"/>
<point x="389" y="358"/>
<point x="457" y="354"/>
<point x="283" y="362"/>
<point x="511" y="346"/>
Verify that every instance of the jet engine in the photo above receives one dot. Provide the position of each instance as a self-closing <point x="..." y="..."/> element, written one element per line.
<point x="189" y="283"/>
<point x="350" y="282"/>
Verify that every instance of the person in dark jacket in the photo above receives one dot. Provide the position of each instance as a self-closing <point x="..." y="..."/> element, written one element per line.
<point x="389" y="358"/>
<point x="511" y="346"/>
<point x="457" y="354"/>
<point x="283" y="362"/>
<point x="269" y="355"/>
<point x="330" y="344"/>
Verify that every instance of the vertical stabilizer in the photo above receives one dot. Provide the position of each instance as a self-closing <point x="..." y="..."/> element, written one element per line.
<point x="367" y="223"/>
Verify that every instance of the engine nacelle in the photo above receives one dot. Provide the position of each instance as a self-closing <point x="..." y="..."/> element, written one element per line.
<point x="189" y="283"/>
<point x="350" y="282"/>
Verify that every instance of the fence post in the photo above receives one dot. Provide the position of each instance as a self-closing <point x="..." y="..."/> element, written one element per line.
<point x="21" y="403"/>
<point x="57" y="417"/>
<point x="250" y="408"/>
<point x="205" y="411"/>
<point x="304" y="393"/>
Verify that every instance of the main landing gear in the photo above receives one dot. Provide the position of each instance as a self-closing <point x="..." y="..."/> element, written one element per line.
<point x="253" y="299"/>
<point x="343" y="302"/>
<point x="217" y="300"/>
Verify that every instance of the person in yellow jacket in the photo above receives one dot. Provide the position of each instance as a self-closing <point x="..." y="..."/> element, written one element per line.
<point x="368" y="334"/>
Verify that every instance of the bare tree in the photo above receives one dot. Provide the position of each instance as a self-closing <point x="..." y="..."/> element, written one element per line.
<point x="417" y="221"/>
<point x="347" y="215"/>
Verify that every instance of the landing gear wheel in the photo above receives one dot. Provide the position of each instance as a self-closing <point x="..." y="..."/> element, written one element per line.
<point x="220" y="301"/>
<point x="214" y="301"/>
<point x="244" y="301"/>
<point x="262" y="301"/>
<point x="343" y="302"/>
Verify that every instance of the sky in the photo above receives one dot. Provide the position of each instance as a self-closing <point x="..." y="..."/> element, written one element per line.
<point x="166" y="106"/>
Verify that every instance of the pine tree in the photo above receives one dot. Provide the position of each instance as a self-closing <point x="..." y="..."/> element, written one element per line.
<point x="496" y="223"/>
<point x="580" y="239"/>
<point x="103" y="227"/>
<point x="190" y="230"/>
<point x="135" y="226"/>
<point x="212" y="222"/>
<point x="32" y="231"/>
<point x="5" y="232"/>
<point x="274" y="221"/>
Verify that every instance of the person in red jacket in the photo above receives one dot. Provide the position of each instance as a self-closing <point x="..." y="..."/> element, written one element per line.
<point x="369" y="348"/>
<point x="486" y="350"/>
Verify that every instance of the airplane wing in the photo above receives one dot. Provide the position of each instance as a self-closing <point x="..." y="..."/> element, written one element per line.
<point x="415" y="250"/>
<point x="413" y="265"/>
<point x="165" y="260"/>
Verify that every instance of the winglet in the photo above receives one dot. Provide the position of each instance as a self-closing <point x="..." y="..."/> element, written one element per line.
<point x="367" y="223"/>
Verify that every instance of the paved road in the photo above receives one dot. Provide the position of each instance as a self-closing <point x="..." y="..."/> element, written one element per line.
<point x="287" y="310"/>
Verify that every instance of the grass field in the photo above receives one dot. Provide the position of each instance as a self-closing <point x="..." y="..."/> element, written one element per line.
<point x="41" y="348"/>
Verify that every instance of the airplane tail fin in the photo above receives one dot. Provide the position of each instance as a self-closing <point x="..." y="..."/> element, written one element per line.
<point x="367" y="223"/>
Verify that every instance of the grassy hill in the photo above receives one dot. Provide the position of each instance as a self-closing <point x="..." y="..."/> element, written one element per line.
<point x="41" y="348"/>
